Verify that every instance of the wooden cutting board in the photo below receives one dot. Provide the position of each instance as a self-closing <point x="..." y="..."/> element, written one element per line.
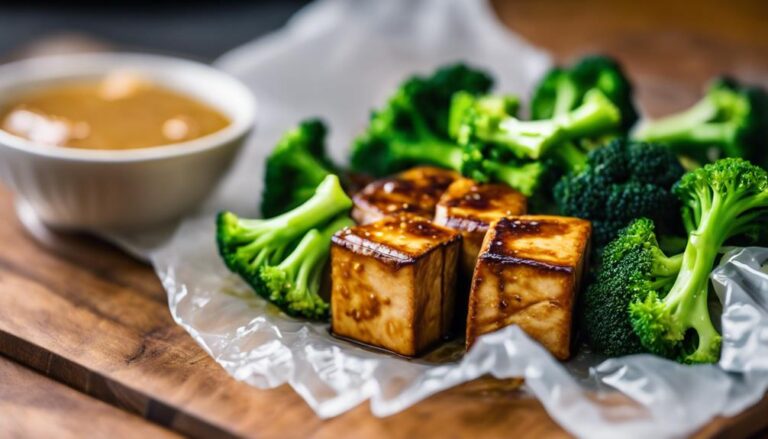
<point x="32" y="405"/>
<point x="86" y="315"/>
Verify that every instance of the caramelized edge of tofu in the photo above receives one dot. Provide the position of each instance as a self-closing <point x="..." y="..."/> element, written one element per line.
<point x="493" y="245"/>
<point x="358" y="239"/>
<point x="456" y="205"/>
<point x="422" y="186"/>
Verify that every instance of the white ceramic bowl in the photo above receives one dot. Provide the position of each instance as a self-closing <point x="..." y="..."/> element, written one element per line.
<point x="123" y="189"/>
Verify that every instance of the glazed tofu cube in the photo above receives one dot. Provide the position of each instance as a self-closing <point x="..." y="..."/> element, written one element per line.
<point x="528" y="273"/>
<point x="393" y="283"/>
<point x="414" y="191"/>
<point x="469" y="208"/>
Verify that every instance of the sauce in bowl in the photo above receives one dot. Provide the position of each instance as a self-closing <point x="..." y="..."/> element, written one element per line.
<point x="121" y="111"/>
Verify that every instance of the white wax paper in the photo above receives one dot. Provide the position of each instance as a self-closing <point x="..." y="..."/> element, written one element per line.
<point x="337" y="59"/>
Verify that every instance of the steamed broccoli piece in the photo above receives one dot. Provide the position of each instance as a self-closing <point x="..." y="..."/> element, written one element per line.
<point x="620" y="182"/>
<point x="632" y="265"/>
<point x="300" y="156"/>
<point x="524" y="176"/>
<point x="294" y="284"/>
<point x="720" y="200"/>
<point x="533" y="139"/>
<point x="499" y="147"/>
<point x="564" y="89"/>
<point x="413" y="127"/>
<point x="464" y="103"/>
<point x="731" y="120"/>
<point x="485" y="162"/>
<point x="247" y="246"/>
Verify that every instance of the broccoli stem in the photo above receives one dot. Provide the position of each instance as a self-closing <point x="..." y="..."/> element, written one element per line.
<point x="295" y="282"/>
<point x="567" y="93"/>
<point x="686" y="301"/>
<point x="595" y="115"/>
<point x="687" y="126"/>
<point x="524" y="178"/>
<point x="312" y="249"/>
<point x="570" y="157"/>
<point x="664" y="265"/>
<point x="312" y="168"/>
<point x="302" y="261"/>
<point x="432" y="151"/>
<point x="328" y="201"/>
<point x="525" y="139"/>
<point x="688" y="307"/>
<point x="266" y="239"/>
<point x="461" y="104"/>
<point x="531" y="139"/>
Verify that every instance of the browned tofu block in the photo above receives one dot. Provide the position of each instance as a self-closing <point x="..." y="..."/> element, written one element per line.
<point x="470" y="207"/>
<point x="392" y="283"/>
<point x="528" y="273"/>
<point x="414" y="191"/>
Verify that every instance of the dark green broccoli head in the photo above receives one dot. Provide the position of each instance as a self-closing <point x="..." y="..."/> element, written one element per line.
<point x="731" y="120"/>
<point x="563" y="89"/>
<point x="413" y="126"/>
<point x="295" y="167"/>
<point x="620" y="182"/>
<point x="431" y="97"/>
<point x="632" y="267"/>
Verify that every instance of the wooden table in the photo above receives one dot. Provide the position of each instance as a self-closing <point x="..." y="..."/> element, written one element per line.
<point x="89" y="349"/>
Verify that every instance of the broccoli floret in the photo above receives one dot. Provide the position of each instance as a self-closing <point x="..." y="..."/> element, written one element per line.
<point x="464" y="103"/>
<point x="620" y="182"/>
<point x="300" y="156"/>
<point x="499" y="147"/>
<point x="247" y="246"/>
<point x="294" y="284"/>
<point x="632" y="265"/>
<point x="563" y="89"/>
<point x="413" y="127"/>
<point x="720" y="200"/>
<point x="729" y="121"/>
<point x="533" y="139"/>
<point x="524" y="176"/>
<point x="486" y="162"/>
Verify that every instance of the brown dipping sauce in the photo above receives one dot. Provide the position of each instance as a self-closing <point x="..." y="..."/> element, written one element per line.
<point x="122" y="111"/>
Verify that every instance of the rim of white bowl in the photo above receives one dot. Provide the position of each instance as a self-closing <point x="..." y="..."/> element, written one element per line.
<point x="16" y="75"/>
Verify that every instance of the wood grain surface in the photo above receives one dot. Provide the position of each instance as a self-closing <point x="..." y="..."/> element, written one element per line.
<point x="87" y="316"/>
<point x="32" y="405"/>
